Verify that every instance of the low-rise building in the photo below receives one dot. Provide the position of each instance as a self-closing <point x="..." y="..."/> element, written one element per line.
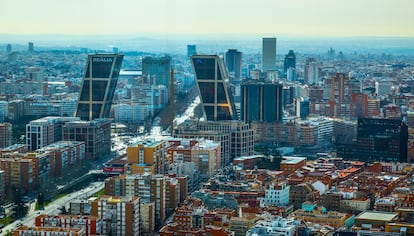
<point x="192" y="218"/>
<point x="355" y="205"/>
<point x="90" y="224"/>
<point x="372" y="219"/>
<point x="243" y="223"/>
<point x="79" y="207"/>
<point x="276" y="195"/>
<point x="277" y="226"/>
<point x="319" y="215"/>
<point x="300" y="193"/>
<point x="247" y="162"/>
<point x="29" y="230"/>
<point x="402" y="228"/>
<point x="290" y="164"/>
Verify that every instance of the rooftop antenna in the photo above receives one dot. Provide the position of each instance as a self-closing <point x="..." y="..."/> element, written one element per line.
<point x="172" y="103"/>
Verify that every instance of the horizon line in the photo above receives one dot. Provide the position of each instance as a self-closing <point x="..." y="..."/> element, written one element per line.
<point x="207" y="35"/>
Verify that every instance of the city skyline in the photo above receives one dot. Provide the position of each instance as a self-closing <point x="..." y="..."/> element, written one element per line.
<point x="318" y="18"/>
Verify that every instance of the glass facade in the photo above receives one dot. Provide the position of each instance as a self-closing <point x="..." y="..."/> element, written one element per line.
<point x="84" y="95"/>
<point x="223" y="113"/>
<point x="261" y="102"/>
<point x="205" y="68"/>
<point x="209" y="110"/>
<point x="96" y="135"/>
<point x="98" y="86"/>
<point x="158" y="68"/>
<point x="83" y="111"/>
<point x="101" y="66"/>
<point x="304" y="109"/>
<point x="269" y="54"/>
<point x="290" y="61"/>
<point x="253" y="103"/>
<point x="207" y="89"/>
<point x="221" y="94"/>
<point x="382" y="140"/>
<point x="212" y="84"/>
<point x="234" y="62"/>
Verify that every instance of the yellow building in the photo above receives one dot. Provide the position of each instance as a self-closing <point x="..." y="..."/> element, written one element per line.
<point x="206" y="155"/>
<point x="148" y="157"/>
<point x="147" y="215"/>
<point x="318" y="215"/>
<point x="397" y="227"/>
<point x="401" y="228"/>
<point x="375" y="219"/>
<point x="240" y="225"/>
<point x="356" y="204"/>
<point x="405" y="213"/>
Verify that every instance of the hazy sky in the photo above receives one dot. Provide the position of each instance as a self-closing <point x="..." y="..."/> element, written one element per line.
<point x="258" y="17"/>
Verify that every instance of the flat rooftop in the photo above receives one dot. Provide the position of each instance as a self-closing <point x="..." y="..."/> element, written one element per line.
<point x="247" y="157"/>
<point x="378" y="216"/>
<point x="292" y="160"/>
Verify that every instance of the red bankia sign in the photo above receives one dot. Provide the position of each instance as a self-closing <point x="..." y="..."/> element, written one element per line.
<point x="113" y="169"/>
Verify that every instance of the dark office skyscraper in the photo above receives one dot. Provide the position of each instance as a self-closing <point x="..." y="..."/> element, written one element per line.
<point x="9" y="48"/>
<point x="98" y="86"/>
<point x="269" y="54"/>
<point x="290" y="61"/>
<point x="158" y="67"/>
<point x="304" y="109"/>
<point x="30" y="47"/>
<point x="261" y="101"/>
<point x="234" y="62"/>
<point x="382" y="140"/>
<point x="191" y="50"/>
<point x="212" y="83"/>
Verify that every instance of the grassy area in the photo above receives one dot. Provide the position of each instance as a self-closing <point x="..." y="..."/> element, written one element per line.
<point x="37" y="206"/>
<point x="6" y="220"/>
<point x="45" y="203"/>
<point x="100" y="193"/>
<point x="60" y="195"/>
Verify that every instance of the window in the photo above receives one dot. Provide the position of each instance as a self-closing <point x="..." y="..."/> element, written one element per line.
<point x="101" y="67"/>
<point x="98" y="90"/>
<point x="85" y="91"/>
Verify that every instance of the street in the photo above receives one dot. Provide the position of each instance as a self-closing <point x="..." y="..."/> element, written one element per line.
<point x="52" y="208"/>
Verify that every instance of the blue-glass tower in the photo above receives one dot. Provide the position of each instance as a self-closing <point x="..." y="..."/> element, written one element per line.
<point x="261" y="101"/>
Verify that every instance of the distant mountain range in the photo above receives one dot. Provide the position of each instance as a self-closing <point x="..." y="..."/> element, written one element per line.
<point x="211" y="43"/>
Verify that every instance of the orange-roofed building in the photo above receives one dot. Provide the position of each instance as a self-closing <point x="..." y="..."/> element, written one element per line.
<point x="290" y="164"/>
<point x="29" y="230"/>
